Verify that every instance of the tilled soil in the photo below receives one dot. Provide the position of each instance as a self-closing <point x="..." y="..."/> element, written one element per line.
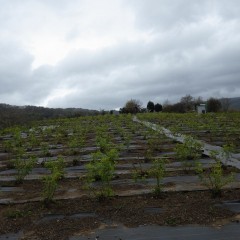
<point x="57" y="221"/>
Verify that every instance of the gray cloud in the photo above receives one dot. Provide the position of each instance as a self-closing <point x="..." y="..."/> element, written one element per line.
<point x="15" y="67"/>
<point x="172" y="48"/>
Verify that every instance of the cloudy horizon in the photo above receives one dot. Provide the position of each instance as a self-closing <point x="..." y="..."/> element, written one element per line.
<point x="97" y="54"/>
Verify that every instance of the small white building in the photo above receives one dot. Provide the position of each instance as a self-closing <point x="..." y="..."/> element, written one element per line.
<point x="201" y="108"/>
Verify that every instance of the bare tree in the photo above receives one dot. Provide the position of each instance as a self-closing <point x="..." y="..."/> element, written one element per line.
<point x="166" y="103"/>
<point x="213" y="105"/>
<point x="132" y="106"/>
<point x="188" y="103"/>
<point x="225" y="104"/>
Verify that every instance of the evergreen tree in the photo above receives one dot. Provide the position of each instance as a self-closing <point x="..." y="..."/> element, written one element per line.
<point x="150" y="106"/>
<point x="158" y="107"/>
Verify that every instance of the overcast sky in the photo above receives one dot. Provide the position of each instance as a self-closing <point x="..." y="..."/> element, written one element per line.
<point x="98" y="54"/>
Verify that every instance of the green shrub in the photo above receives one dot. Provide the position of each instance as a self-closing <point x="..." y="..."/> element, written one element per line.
<point x="45" y="150"/>
<point x="190" y="149"/>
<point x="101" y="169"/>
<point x="158" y="171"/>
<point x="23" y="167"/>
<point x="51" y="181"/>
<point x="214" y="178"/>
<point x="138" y="173"/>
<point x="226" y="152"/>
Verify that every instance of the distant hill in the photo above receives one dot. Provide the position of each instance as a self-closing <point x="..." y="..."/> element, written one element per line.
<point x="12" y="115"/>
<point x="235" y="103"/>
<point x="231" y="103"/>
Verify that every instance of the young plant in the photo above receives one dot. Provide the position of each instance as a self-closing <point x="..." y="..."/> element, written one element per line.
<point x="226" y="152"/>
<point x="32" y="140"/>
<point x="154" y="143"/>
<point x="23" y="167"/>
<point x="16" y="213"/>
<point x="148" y="155"/>
<point x="190" y="149"/>
<point x="113" y="155"/>
<point x="17" y="139"/>
<point x="214" y="178"/>
<point x="127" y="140"/>
<point x="45" y="150"/>
<point x="103" y="144"/>
<point x="8" y="147"/>
<point x="101" y="169"/>
<point x="158" y="171"/>
<point x="51" y="181"/>
<point x="73" y="144"/>
<point x="138" y="173"/>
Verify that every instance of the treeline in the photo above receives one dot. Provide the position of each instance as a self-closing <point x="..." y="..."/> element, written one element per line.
<point x="13" y="115"/>
<point x="189" y="104"/>
<point x="186" y="104"/>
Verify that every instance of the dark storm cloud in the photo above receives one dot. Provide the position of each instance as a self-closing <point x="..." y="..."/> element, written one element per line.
<point x="179" y="47"/>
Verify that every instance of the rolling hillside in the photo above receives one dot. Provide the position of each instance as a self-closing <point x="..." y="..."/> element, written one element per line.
<point x="11" y="115"/>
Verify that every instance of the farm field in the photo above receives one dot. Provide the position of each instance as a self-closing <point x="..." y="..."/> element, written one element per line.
<point x="218" y="129"/>
<point x="67" y="177"/>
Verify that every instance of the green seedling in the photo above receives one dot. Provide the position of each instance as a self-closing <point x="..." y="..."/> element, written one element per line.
<point x="45" y="150"/>
<point x="23" y="167"/>
<point x="101" y="169"/>
<point x="158" y="171"/>
<point x="214" y="178"/>
<point x="51" y="181"/>
<point x="226" y="152"/>
<point x="138" y="174"/>
<point x="15" y="213"/>
<point x="190" y="149"/>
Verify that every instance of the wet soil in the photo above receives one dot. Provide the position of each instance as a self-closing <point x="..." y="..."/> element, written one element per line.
<point x="65" y="218"/>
